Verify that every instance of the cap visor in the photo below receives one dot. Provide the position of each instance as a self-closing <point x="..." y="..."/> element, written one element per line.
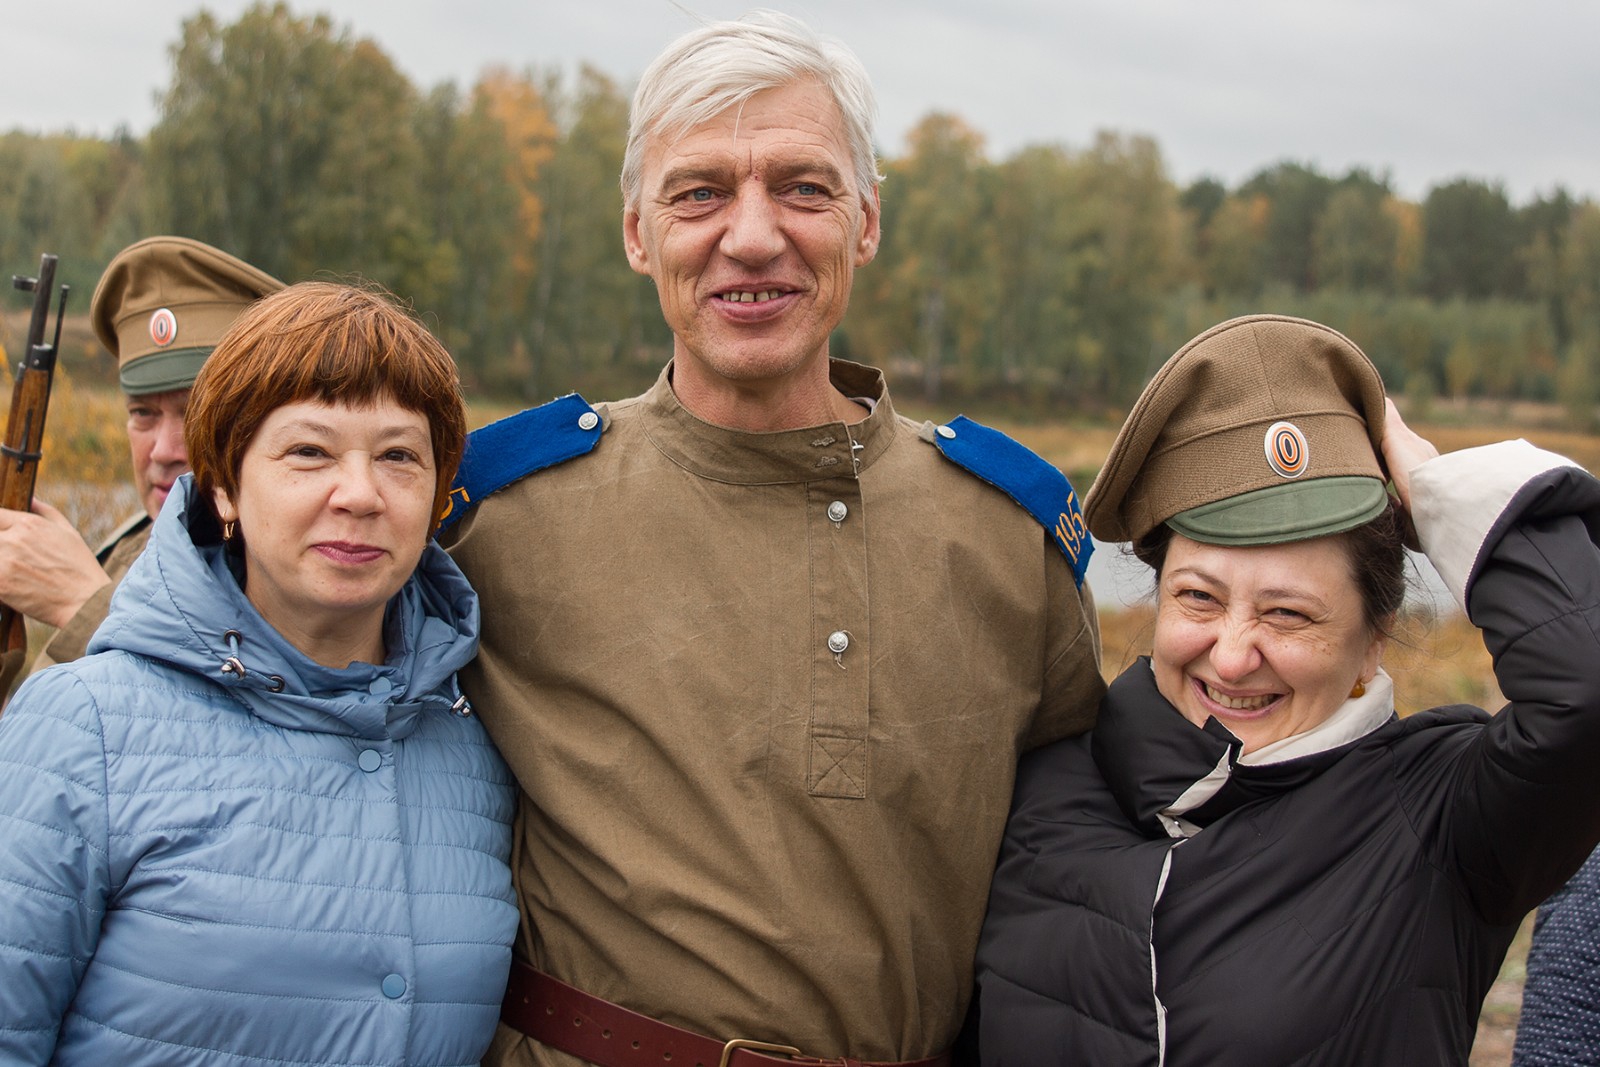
<point x="1294" y="511"/>
<point x="162" y="372"/>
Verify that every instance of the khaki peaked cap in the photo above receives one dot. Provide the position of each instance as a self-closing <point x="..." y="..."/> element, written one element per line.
<point x="1203" y="432"/>
<point x="162" y="305"/>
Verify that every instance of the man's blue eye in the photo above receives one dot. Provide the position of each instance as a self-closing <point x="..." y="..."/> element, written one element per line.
<point x="702" y="195"/>
<point x="807" y="189"/>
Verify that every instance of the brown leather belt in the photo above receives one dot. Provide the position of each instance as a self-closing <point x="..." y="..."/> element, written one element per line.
<point x="572" y="1021"/>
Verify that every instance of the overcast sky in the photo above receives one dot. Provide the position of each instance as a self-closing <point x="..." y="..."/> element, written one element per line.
<point x="1425" y="90"/>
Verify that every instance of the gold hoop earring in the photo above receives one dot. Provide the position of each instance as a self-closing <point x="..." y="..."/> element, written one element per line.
<point x="228" y="529"/>
<point x="1360" y="690"/>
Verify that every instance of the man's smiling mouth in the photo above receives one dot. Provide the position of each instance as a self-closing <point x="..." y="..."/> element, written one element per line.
<point x="751" y="298"/>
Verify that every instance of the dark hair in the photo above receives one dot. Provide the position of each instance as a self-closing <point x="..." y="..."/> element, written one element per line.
<point x="338" y="344"/>
<point x="1375" y="550"/>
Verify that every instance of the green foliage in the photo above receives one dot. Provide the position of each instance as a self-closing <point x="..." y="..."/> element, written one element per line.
<point x="293" y="146"/>
<point x="1577" y="279"/>
<point x="1354" y="241"/>
<point x="1045" y="242"/>
<point x="470" y="212"/>
<point x="1201" y="199"/>
<point x="1499" y="349"/>
<point x="1470" y="242"/>
<point x="1059" y="277"/>
<point x="71" y="196"/>
<point x="1036" y="275"/>
<point x="1296" y="195"/>
<point x="587" y="308"/>
<point x="933" y="294"/>
<point x="1233" y="247"/>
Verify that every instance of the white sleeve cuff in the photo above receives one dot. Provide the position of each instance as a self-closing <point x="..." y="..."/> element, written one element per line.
<point x="1457" y="498"/>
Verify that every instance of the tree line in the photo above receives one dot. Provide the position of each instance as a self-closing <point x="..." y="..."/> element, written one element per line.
<point x="1057" y="277"/>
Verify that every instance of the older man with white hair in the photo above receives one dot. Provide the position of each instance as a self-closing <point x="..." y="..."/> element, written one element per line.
<point x="761" y="652"/>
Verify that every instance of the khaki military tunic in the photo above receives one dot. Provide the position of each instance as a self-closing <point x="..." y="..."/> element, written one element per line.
<point x="764" y="694"/>
<point x="72" y="640"/>
<point x="116" y="556"/>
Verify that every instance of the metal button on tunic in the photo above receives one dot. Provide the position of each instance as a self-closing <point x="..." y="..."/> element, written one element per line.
<point x="836" y="763"/>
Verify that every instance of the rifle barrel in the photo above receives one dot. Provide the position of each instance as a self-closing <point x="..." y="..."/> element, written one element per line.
<point x="24" y="434"/>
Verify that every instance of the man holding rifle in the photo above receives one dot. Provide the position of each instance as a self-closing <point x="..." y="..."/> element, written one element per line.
<point x="161" y="306"/>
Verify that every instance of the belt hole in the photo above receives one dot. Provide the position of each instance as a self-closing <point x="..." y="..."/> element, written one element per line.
<point x="606" y="1034"/>
<point x="577" y="1021"/>
<point x="636" y="1044"/>
<point x="548" y="1010"/>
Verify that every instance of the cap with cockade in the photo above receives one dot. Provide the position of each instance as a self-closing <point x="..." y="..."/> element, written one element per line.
<point x="1262" y="430"/>
<point x="163" y="304"/>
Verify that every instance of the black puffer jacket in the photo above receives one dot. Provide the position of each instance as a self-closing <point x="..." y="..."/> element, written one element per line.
<point x="1349" y="906"/>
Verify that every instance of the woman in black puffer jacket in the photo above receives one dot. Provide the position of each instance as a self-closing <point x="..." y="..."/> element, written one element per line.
<point x="1252" y="860"/>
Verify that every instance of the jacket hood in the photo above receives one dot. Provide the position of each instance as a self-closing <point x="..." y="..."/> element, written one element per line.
<point x="181" y="605"/>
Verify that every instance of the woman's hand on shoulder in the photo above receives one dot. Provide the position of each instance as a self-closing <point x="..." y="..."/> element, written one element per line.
<point x="1404" y="450"/>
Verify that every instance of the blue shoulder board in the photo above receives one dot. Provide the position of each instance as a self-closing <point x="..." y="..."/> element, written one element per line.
<point x="516" y="446"/>
<point x="1025" y="477"/>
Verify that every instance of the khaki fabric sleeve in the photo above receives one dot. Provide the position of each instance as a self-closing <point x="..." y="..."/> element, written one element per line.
<point x="64" y="646"/>
<point x="10" y="670"/>
<point x="72" y="640"/>
<point x="1069" y="700"/>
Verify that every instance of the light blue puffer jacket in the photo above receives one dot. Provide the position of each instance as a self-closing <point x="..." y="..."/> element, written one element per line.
<point x="197" y="869"/>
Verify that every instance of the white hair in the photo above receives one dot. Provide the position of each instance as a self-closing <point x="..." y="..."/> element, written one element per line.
<point x="721" y="65"/>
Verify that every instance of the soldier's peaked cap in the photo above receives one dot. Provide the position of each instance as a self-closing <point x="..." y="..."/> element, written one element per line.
<point x="1261" y="430"/>
<point x="162" y="305"/>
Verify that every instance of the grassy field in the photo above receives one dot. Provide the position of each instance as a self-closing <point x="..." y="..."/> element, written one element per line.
<point x="1436" y="659"/>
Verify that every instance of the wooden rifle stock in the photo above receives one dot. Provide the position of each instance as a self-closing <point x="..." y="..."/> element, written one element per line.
<point x="24" y="437"/>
